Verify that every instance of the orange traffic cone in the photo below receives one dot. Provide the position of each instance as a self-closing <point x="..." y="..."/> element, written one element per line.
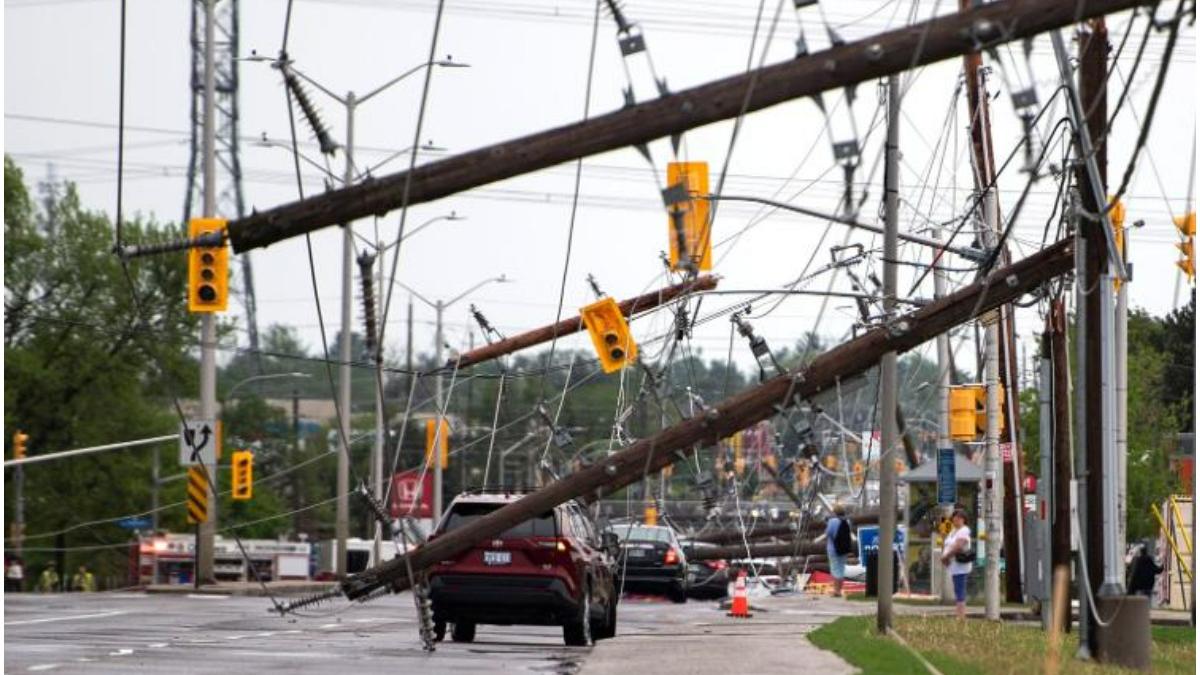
<point x="741" y="604"/>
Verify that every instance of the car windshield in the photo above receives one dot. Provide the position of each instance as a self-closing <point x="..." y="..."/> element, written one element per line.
<point x="465" y="514"/>
<point x="642" y="533"/>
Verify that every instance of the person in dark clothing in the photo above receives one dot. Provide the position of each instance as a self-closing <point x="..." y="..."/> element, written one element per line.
<point x="1142" y="573"/>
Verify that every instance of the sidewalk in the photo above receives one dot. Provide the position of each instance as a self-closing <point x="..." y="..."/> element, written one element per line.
<point x="772" y="641"/>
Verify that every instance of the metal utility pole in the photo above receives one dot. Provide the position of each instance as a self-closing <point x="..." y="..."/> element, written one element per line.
<point x="944" y="588"/>
<point x="1045" y="510"/>
<point x="229" y="197"/>
<point x="649" y="455"/>
<point x="206" y="531"/>
<point x="1121" y="407"/>
<point x="1060" y="546"/>
<point x="895" y="51"/>
<point x="993" y="474"/>
<point x="887" y="363"/>
<point x="439" y="307"/>
<point x="342" y="527"/>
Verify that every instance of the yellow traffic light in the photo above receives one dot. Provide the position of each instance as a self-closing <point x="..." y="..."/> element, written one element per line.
<point x="208" y="269"/>
<point x="610" y="334"/>
<point x="1117" y="216"/>
<point x="20" y="439"/>
<point x="650" y="515"/>
<point x="1188" y="262"/>
<point x="688" y="220"/>
<point x="243" y="475"/>
<point x="858" y="473"/>
<point x="1186" y="224"/>
<point x="981" y="409"/>
<point x="962" y="413"/>
<point x="442" y="441"/>
<point x="803" y="474"/>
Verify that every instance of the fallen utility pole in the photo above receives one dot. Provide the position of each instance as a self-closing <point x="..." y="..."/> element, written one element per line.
<point x="730" y="536"/>
<point x="877" y="56"/>
<point x="652" y="454"/>
<point x="575" y="324"/>
<point x="783" y="549"/>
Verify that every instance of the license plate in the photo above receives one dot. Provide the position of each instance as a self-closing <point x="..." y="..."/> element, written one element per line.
<point x="497" y="557"/>
<point x="637" y="553"/>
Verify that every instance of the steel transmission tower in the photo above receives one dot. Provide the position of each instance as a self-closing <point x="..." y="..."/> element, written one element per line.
<point x="229" y="167"/>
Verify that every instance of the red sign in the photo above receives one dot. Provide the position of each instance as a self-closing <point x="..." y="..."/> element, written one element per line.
<point x="1006" y="452"/>
<point x="407" y="488"/>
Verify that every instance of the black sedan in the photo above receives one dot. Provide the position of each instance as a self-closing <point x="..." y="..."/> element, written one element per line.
<point x="652" y="560"/>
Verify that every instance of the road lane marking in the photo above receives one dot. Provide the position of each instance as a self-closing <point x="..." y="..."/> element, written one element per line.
<point x="43" y="666"/>
<point x="63" y="618"/>
<point x="121" y="652"/>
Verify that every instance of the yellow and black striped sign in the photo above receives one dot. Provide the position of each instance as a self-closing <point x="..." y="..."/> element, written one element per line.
<point x="197" y="495"/>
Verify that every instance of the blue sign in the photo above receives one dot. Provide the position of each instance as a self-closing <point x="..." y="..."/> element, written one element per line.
<point x="946" y="480"/>
<point x="142" y="523"/>
<point x="868" y="540"/>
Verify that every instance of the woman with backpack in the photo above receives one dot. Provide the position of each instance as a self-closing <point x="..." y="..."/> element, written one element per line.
<point x="958" y="557"/>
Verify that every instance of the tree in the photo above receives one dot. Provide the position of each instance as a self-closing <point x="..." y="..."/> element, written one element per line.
<point x="94" y="352"/>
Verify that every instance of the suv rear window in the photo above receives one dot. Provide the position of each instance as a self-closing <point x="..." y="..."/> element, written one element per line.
<point x="466" y="513"/>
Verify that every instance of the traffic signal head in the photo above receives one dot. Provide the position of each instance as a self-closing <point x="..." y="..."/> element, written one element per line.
<point x="243" y="475"/>
<point x="610" y="334"/>
<point x="20" y="439"/>
<point x="440" y="440"/>
<point x="688" y="223"/>
<point x="208" y="269"/>
<point x="1186" y="224"/>
<point x="1188" y="262"/>
<point x="981" y="409"/>
<point x="962" y="412"/>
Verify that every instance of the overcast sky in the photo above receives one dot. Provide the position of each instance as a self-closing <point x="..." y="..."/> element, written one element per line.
<point x="528" y="71"/>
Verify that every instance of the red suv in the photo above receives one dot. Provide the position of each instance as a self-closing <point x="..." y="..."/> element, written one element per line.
<point x="552" y="570"/>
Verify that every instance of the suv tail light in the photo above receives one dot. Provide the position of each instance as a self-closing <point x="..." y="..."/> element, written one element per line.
<point x="717" y="565"/>
<point x="559" y="545"/>
<point x="672" y="557"/>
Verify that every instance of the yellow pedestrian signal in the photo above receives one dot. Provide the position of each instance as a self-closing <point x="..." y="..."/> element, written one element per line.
<point x="208" y="269"/>
<point x="688" y="216"/>
<point x="610" y="334"/>
<point x="243" y="475"/>
<point x="20" y="439"/>
<point x="441" y="440"/>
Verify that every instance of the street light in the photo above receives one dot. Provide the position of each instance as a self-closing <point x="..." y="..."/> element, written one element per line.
<point x="350" y="102"/>
<point x="440" y="307"/>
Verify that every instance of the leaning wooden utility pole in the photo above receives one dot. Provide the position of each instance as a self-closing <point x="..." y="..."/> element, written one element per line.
<point x="652" y="454"/>
<point x="1060" y="542"/>
<point x="888" y="379"/>
<point x="852" y="63"/>
<point x="574" y="324"/>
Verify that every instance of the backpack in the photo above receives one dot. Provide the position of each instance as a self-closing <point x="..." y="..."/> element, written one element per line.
<point x="841" y="541"/>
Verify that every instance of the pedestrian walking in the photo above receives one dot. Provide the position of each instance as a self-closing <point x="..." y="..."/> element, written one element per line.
<point x="14" y="575"/>
<point x="83" y="581"/>
<point x="1142" y="573"/>
<point x="838" y="546"/>
<point x="958" y="558"/>
<point x="49" y="581"/>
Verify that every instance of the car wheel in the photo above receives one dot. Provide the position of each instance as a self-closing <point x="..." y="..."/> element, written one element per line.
<point x="578" y="633"/>
<point x="463" y="632"/>
<point x="608" y="629"/>
<point x="678" y="594"/>
<point x="439" y="631"/>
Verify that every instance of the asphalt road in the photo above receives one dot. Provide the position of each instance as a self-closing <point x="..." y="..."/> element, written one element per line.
<point x="136" y="632"/>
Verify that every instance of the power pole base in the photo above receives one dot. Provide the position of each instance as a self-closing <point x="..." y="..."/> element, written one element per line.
<point x="1125" y="641"/>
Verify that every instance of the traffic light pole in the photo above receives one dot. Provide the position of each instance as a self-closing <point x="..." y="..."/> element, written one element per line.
<point x="342" y="526"/>
<point x="440" y="308"/>
<point x="206" y="531"/>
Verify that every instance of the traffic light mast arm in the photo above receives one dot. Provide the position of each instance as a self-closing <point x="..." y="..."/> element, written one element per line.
<point x="575" y="324"/>
<point x="651" y="454"/>
<point x="851" y="63"/>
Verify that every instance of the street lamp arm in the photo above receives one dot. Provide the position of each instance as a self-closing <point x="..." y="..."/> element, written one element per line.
<point x="415" y="294"/>
<point x="500" y="279"/>
<point x="299" y="73"/>
<point x="270" y="143"/>
<point x="253" y="378"/>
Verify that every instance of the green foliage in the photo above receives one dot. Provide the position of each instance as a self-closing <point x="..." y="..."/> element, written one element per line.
<point x="85" y="364"/>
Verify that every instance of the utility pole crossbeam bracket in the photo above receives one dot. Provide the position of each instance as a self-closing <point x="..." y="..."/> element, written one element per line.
<point x="880" y="55"/>
<point x="650" y="455"/>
